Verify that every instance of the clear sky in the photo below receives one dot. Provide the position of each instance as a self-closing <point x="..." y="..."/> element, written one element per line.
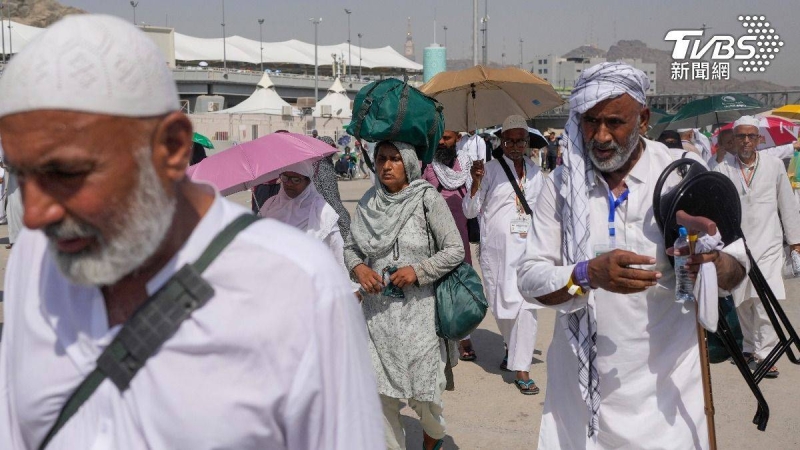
<point x="544" y="26"/>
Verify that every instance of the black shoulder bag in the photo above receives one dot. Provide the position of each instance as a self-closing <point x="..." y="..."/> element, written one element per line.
<point x="155" y="322"/>
<point x="514" y="184"/>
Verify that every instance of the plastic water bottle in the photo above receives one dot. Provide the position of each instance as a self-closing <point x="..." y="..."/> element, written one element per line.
<point x="684" y="287"/>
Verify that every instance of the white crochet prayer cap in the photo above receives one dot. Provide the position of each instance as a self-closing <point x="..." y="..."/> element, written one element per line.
<point x="684" y="130"/>
<point x="515" y="121"/>
<point x="746" y="120"/>
<point x="90" y="63"/>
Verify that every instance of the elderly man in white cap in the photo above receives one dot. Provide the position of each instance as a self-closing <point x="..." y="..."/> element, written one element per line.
<point x="623" y="366"/>
<point x="502" y="194"/>
<point x="769" y="215"/>
<point x="128" y="330"/>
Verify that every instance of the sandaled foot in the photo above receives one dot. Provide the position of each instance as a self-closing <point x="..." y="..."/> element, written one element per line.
<point x="429" y="443"/>
<point x="527" y="387"/>
<point x="772" y="372"/>
<point x="467" y="353"/>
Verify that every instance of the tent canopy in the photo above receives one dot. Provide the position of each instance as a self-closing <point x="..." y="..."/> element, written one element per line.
<point x="265" y="100"/>
<point x="240" y="49"/>
<point x="338" y="100"/>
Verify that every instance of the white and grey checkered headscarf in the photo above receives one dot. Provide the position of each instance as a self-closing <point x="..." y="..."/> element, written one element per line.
<point x="596" y="84"/>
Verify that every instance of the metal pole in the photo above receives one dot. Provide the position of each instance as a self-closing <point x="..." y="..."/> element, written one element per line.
<point x="134" y="5"/>
<point x="520" y="53"/>
<point x="261" y="42"/>
<point x="349" y="53"/>
<point x="474" y="32"/>
<point x="2" y="34"/>
<point x="224" y="41"/>
<point x="316" y="61"/>
<point x="359" y="56"/>
<point x="10" y="41"/>
<point x="445" y="36"/>
<point x="486" y="33"/>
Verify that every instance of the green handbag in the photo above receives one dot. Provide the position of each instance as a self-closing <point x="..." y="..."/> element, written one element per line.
<point x="460" y="302"/>
<point x="393" y="110"/>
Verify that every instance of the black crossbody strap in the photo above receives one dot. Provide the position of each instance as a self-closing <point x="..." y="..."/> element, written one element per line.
<point x="151" y="325"/>
<point x="514" y="184"/>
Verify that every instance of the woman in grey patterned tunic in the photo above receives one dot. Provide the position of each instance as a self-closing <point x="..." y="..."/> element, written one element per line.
<point x="325" y="180"/>
<point x="390" y="231"/>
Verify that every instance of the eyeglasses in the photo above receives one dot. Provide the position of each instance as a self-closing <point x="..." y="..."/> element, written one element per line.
<point x="752" y="137"/>
<point x="515" y="143"/>
<point x="290" y="179"/>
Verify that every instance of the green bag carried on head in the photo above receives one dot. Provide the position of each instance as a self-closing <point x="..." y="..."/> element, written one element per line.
<point x="393" y="110"/>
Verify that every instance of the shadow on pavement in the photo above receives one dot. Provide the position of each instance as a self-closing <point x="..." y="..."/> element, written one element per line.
<point x="414" y="433"/>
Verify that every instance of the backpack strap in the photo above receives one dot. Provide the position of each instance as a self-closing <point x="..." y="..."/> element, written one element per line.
<point x="155" y="322"/>
<point x="402" y="109"/>
<point x="362" y="112"/>
<point x="513" y="181"/>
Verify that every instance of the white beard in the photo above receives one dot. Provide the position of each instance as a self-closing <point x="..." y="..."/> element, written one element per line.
<point x="139" y="233"/>
<point x="621" y="152"/>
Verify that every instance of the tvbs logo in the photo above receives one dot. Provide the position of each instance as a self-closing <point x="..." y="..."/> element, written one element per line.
<point x="755" y="49"/>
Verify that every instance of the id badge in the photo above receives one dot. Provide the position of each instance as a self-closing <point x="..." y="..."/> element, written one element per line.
<point x="520" y="226"/>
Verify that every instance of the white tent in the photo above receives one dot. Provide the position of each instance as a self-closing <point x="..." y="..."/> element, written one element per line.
<point x="18" y="36"/>
<point x="240" y="49"/>
<point x="265" y="100"/>
<point x="337" y="100"/>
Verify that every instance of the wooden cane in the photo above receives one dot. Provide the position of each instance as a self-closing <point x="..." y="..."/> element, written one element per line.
<point x="694" y="225"/>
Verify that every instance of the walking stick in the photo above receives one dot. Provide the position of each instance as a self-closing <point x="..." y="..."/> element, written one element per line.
<point x="693" y="224"/>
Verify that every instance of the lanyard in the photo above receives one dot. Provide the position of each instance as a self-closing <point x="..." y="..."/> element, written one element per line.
<point x="522" y="180"/>
<point x="612" y="209"/>
<point x="745" y="180"/>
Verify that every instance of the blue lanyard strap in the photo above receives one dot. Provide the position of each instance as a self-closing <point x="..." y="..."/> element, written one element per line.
<point x="612" y="208"/>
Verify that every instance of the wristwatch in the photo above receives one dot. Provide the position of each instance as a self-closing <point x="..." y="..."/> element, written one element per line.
<point x="574" y="289"/>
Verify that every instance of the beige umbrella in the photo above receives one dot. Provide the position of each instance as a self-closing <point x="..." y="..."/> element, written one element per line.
<point x="481" y="97"/>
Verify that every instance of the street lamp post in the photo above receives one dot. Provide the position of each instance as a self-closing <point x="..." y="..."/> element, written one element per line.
<point x="134" y="5"/>
<point x="359" y="56"/>
<point x="445" y="36"/>
<point x="224" y="42"/>
<point x="261" y="42"/>
<point x="316" y="22"/>
<point x="2" y="35"/>
<point x="349" y="54"/>
<point x="520" y="53"/>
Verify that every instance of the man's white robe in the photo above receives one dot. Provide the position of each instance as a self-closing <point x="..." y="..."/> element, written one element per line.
<point x="276" y="359"/>
<point x="495" y="206"/>
<point x="647" y="352"/>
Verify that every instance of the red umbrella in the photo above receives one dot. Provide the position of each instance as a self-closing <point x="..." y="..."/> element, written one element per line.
<point x="252" y="163"/>
<point x="774" y="132"/>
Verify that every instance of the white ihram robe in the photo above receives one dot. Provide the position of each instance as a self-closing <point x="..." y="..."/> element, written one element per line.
<point x="495" y="206"/>
<point x="769" y="213"/>
<point x="277" y="358"/>
<point x="647" y="352"/>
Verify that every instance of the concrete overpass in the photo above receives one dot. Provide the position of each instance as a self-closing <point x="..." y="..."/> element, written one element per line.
<point x="237" y="85"/>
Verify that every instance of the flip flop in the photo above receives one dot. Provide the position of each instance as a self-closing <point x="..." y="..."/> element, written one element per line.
<point x="525" y="387"/>
<point x="772" y="373"/>
<point x="467" y="354"/>
<point x="504" y="365"/>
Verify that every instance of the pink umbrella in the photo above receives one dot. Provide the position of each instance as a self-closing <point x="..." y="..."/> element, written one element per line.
<point x="252" y="163"/>
<point x="774" y="131"/>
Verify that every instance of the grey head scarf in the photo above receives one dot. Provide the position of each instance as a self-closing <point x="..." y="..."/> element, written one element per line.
<point x="380" y="215"/>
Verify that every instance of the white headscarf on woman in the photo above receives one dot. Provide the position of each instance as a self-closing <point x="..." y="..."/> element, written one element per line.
<point x="307" y="211"/>
<point x="381" y="215"/>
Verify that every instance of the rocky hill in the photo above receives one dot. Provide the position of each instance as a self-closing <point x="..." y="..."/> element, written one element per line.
<point x="39" y="13"/>
<point x="639" y="50"/>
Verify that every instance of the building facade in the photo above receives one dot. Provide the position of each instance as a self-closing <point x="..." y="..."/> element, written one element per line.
<point x="563" y="72"/>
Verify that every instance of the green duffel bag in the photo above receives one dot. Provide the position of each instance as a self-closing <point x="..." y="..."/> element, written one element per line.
<point x="393" y="110"/>
<point x="716" y="350"/>
<point x="460" y="303"/>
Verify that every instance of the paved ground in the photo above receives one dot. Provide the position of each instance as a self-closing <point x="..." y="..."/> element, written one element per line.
<point x="487" y="412"/>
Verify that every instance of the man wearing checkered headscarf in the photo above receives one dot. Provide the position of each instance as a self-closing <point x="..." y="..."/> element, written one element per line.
<point x="623" y="367"/>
